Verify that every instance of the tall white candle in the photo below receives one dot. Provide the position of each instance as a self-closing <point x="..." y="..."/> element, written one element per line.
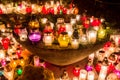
<point x="91" y="35"/>
<point x="103" y="73"/>
<point x="83" y="74"/>
<point x="91" y="75"/>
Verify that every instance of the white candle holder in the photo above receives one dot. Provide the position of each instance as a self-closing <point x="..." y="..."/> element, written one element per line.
<point x="103" y="72"/>
<point x="73" y="21"/>
<point x="83" y="74"/>
<point x="48" y="39"/>
<point x="91" y="35"/>
<point x="44" y="20"/>
<point x="78" y="17"/>
<point x="91" y="75"/>
<point x="75" y="43"/>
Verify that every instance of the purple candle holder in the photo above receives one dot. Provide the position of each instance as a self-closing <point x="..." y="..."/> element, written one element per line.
<point x="117" y="72"/>
<point x="35" y="36"/>
<point x="89" y="68"/>
<point x="3" y="62"/>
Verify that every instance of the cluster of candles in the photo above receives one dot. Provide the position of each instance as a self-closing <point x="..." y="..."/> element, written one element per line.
<point x="11" y="59"/>
<point x="65" y="33"/>
<point x="103" y="64"/>
<point x="24" y="7"/>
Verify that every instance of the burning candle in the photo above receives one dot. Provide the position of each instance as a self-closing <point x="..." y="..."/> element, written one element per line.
<point x="83" y="74"/>
<point x="112" y="76"/>
<point x="44" y="20"/>
<point x="117" y="70"/>
<point x="73" y="21"/>
<point x="3" y="62"/>
<point x="13" y="63"/>
<point x="63" y="39"/>
<point x="8" y="72"/>
<point x="69" y="29"/>
<point x="101" y="33"/>
<point x="91" y="35"/>
<point x="5" y="43"/>
<point x="103" y="73"/>
<point x="2" y="54"/>
<point x="78" y="17"/>
<point x="21" y="61"/>
<point x="75" y="44"/>
<point x="83" y="39"/>
<point x="48" y="39"/>
<point x="117" y="40"/>
<point x="75" y="78"/>
<point x="36" y="61"/>
<point x="91" y="75"/>
<point x="35" y="36"/>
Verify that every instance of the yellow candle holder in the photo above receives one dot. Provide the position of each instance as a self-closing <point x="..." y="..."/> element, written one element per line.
<point x="63" y="39"/>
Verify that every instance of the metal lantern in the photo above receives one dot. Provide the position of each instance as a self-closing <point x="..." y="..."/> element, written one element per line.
<point x="35" y="36"/>
<point x="48" y="39"/>
<point x="63" y="39"/>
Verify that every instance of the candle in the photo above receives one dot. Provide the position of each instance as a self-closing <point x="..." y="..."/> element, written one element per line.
<point x="3" y="62"/>
<point x="69" y="29"/>
<point x="117" y="40"/>
<point x="48" y="39"/>
<point x="35" y="36"/>
<point x="91" y="57"/>
<point x="73" y="21"/>
<point x="101" y="33"/>
<point x="103" y="73"/>
<point x="21" y="61"/>
<point x="13" y="63"/>
<point x="63" y="39"/>
<point x="75" y="78"/>
<point x="44" y="20"/>
<point x="5" y="43"/>
<point x="36" y="61"/>
<point x="117" y="70"/>
<point x="8" y="72"/>
<point x="112" y="76"/>
<point x="52" y="3"/>
<point x="78" y="17"/>
<point x="83" y="74"/>
<point x="76" y="70"/>
<point x="91" y="35"/>
<point x="2" y="54"/>
<point x="83" y="39"/>
<point x="75" y="44"/>
<point x="91" y="75"/>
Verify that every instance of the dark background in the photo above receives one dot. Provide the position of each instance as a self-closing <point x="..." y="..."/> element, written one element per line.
<point x="109" y="9"/>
